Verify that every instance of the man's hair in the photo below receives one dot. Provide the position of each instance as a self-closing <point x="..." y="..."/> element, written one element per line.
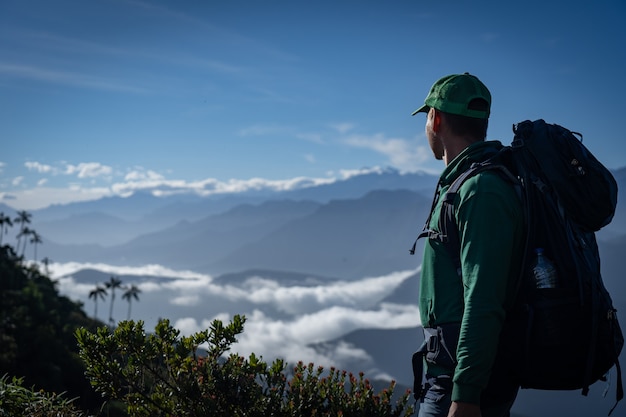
<point x="471" y="127"/>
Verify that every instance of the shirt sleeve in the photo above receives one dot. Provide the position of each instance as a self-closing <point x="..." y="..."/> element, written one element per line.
<point x="489" y="219"/>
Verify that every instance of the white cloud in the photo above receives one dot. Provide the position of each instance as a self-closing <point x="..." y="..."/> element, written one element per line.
<point x="58" y="270"/>
<point x="290" y="339"/>
<point x="292" y="300"/>
<point x="82" y="170"/>
<point x="345" y="351"/>
<point x="139" y="175"/>
<point x="42" y="182"/>
<point x="186" y="300"/>
<point x="41" y="197"/>
<point x="38" y="167"/>
<point x="211" y="186"/>
<point x="349" y="173"/>
<point x="88" y="170"/>
<point x="147" y="181"/>
<point x="402" y="154"/>
<point x="187" y="326"/>
<point x="2" y="165"/>
<point x="298" y="300"/>
<point x="150" y="286"/>
<point x="74" y="290"/>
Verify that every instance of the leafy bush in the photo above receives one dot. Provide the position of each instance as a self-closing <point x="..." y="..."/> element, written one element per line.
<point x="18" y="401"/>
<point x="163" y="374"/>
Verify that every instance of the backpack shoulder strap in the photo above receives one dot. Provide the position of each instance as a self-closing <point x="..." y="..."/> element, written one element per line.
<point x="447" y="222"/>
<point x="447" y="232"/>
<point x="442" y="233"/>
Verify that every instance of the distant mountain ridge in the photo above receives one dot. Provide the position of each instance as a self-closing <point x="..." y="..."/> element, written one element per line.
<point x="344" y="238"/>
<point x="350" y="238"/>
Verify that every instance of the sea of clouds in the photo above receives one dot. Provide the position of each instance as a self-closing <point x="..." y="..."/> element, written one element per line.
<point x="283" y="319"/>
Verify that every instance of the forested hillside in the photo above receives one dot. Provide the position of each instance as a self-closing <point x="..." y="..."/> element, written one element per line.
<point x="37" y="328"/>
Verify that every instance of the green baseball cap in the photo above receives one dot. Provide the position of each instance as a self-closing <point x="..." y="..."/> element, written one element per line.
<point x="454" y="93"/>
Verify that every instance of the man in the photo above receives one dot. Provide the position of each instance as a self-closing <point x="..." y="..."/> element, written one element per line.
<point x="463" y="303"/>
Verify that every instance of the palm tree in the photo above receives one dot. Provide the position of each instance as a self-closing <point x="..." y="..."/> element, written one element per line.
<point x="96" y="293"/>
<point x="46" y="261"/>
<point x="131" y="292"/>
<point x="23" y="218"/>
<point x="112" y="284"/>
<point x="24" y="232"/>
<point x="4" y="221"/>
<point x="35" y="239"/>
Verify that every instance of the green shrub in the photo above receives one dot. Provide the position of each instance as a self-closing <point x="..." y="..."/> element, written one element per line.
<point x="18" y="401"/>
<point x="163" y="374"/>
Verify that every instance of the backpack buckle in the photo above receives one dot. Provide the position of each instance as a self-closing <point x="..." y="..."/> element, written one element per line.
<point x="517" y="143"/>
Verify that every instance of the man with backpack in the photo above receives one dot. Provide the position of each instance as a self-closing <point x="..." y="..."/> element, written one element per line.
<point x="463" y="301"/>
<point x="511" y="292"/>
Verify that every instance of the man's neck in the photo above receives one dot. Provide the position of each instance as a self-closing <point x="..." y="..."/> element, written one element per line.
<point x="453" y="147"/>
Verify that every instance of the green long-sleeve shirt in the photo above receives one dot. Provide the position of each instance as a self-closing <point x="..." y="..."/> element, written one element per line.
<point x="489" y="217"/>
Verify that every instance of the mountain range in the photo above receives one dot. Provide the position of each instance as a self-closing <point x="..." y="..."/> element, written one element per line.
<point x="336" y="229"/>
<point x="360" y="226"/>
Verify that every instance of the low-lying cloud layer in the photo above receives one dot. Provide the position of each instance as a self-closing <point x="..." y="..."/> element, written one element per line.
<point x="283" y="320"/>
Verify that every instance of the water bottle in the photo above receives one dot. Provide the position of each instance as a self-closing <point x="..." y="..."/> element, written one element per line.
<point x="543" y="271"/>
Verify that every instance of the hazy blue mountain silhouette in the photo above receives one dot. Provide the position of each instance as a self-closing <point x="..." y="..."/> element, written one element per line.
<point x="129" y="208"/>
<point x="114" y="223"/>
<point x="283" y="278"/>
<point x="347" y="238"/>
<point x="104" y="228"/>
<point x="188" y="244"/>
<point x="6" y="209"/>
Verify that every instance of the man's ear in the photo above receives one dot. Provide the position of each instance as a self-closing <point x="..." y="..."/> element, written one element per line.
<point x="436" y="124"/>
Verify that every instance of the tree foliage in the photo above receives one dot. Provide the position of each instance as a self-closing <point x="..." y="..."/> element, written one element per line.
<point x="37" y="327"/>
<point x="18" y="401"/>
<point x="164" y="374"/>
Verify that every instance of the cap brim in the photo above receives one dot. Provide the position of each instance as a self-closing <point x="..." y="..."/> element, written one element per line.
<point x="423" y="109"/>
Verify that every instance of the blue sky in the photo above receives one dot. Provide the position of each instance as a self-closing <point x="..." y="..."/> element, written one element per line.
<point x="115" y="96"/>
